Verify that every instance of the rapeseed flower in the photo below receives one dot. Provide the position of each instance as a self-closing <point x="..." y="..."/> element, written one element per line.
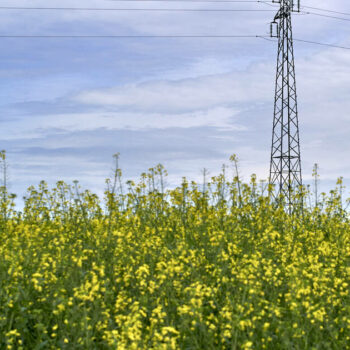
<point x="177" y="269"/>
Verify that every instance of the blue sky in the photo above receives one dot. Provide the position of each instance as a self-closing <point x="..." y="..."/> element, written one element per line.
<point x="67" y="105"/>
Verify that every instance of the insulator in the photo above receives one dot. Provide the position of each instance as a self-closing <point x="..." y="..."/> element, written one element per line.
<point x="274" y="29"/>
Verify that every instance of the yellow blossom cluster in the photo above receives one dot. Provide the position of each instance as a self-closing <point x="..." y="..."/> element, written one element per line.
<point x="190" y="268"/>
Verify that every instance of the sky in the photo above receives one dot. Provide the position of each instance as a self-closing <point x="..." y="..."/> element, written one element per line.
<point x="68" y="105"/>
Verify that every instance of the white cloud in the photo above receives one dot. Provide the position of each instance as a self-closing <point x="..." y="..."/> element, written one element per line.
<point x="187" y="94"/>
<point x="39" y="126"/>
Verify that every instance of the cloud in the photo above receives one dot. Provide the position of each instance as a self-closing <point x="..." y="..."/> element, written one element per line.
<point x="38" y="126"/>
<point x="186" y="94"/>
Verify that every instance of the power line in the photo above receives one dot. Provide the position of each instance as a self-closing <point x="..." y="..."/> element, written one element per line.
<point x="178" y="10"/>
<point x="166" y="9"/>
<point x="157" y="9"/>
<point x="128" y="36"/>
<point x="128" y="9"/>
<point x="309" y="42"/>
<point x="325" y="10"/>
<point x="265" y="37"/>
<point x="323" y="44"/>
<point x="327" y="16"/>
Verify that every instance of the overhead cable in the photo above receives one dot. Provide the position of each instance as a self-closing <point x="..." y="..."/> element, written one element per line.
<point x="128" y="9"/>
<point x="157" y="10"/>
<point x="322" y="44"/>
<point x="129" y="36"/>
<point x="324" y="10"/>
<point x="327" y="16"/>
<point x="265" y="37"/>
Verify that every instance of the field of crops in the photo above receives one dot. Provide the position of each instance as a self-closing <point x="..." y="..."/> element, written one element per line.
<point x="209" y="266"/>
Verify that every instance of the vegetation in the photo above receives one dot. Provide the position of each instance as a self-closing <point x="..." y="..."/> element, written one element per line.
<point x="209" y="266"/>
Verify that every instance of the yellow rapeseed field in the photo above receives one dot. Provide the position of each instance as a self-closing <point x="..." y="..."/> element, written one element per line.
<point x="212" y="266"/>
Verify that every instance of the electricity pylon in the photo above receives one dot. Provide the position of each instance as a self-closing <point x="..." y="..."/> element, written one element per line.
<point x="285" y="166"/>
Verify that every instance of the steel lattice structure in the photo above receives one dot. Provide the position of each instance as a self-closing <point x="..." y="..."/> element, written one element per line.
<point x="285" y="166"/>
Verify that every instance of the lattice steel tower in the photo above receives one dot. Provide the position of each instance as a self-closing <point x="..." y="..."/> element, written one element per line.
<point x="285" y="167"/>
